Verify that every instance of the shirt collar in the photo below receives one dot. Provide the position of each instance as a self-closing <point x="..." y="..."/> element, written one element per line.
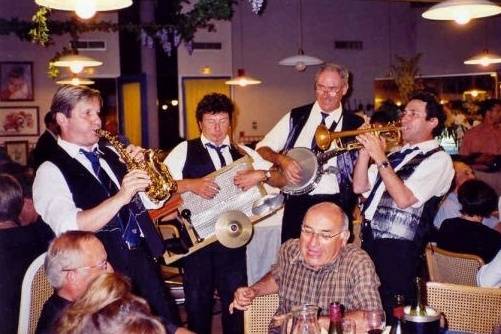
<point x="423" y="147"/>
<point x="205" y="140"/>
<point x="72" y="149"/>
<point x="333" y="115"/>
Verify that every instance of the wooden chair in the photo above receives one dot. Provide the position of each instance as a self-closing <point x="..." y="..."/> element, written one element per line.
<point x="449" y="267"/>
<point x="258" y="316"/>
<point x="34" y="293"/>
<point x="466" y="308"/>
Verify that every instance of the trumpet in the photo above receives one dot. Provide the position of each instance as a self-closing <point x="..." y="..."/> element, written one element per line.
<point x="324" y="137"/>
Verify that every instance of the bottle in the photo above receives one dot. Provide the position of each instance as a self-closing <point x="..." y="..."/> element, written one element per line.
<point x="418" y="309"/>
<point x="398" y="315"/>
<point x="336" y="317"/>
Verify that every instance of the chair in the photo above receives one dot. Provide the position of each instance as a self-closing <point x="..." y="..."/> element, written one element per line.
<point x="449" y="267"/>
<point x="34" y="293"/>
<point x="466" y="308"/>
<point x="258" y="316"/>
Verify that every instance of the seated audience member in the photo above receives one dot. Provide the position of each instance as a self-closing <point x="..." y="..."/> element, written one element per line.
<point x="320" y="268"/>
<point x="19" y="246"/>
<point x="73" y="260"/>
<point x="489" y="274"/>
<point x="107" y="306"/>
<point x="466" y="234"/>
<point x="450" y="207"/>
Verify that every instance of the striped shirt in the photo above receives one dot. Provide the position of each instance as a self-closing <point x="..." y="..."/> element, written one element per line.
<point x="350" y="280"/>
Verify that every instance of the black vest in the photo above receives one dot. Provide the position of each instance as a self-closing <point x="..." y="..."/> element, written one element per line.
<point x="198" y="162"/>
<point x="87" y="192"/>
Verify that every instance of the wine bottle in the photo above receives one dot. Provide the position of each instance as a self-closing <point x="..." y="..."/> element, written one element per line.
<point x="418" y="309"/>
<point x="336" y="318"/>
<point x="398" y="315"/>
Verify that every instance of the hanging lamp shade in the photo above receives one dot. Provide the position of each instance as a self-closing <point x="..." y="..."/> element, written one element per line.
<point x="485" y="59"/>
<point x="85" y="8"/>
<point x="242" y="80"/>
<point x="300" y="61"/>
<point x="76" y="63"/>
<point x="75" y="81"/>
<point x="462" y="11"/>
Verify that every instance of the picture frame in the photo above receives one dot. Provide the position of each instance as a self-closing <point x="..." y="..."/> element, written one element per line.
<point x="19" y="121"/>
<point x="18" y="151"/>
<point x="16" y="81"/>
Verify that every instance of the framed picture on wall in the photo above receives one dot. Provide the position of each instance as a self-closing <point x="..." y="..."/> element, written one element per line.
<point x="18" y="151"/>
<point x="19" y="121"/>
<point x="16" y="81"/>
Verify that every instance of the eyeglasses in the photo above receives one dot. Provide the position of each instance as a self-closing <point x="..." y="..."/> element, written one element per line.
<point x="331" y="90"/>
<point x="103" y="265"/>
<point x="412" y="114"/>
<point x="323" y="236"/>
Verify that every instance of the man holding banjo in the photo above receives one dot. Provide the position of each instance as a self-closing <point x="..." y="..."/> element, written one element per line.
<point x="296" y="130"/>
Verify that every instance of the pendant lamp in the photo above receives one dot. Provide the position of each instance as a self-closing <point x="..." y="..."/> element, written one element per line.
<point x="76" y="63"/>
<point x="85" y="9"/>
<point x="462" y="11"/>
<point x="300" y="61"/>
<point x="485" y="58"/>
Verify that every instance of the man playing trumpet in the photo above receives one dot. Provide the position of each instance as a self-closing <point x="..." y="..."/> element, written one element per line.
<point x="402" y="194"/>
<point x="214" y="266"/>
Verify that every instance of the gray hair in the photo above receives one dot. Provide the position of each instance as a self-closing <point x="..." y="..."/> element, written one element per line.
<point x="68" y="96"/>
<point x="65" y="252"/>
<point x="332" y="67"/>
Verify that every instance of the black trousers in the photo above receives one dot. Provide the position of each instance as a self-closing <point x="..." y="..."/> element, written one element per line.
<point x="295" y="209"/>
<point x="144" y="272"/>
<point x="397" y="263"/>
<point x="210" y="268"/>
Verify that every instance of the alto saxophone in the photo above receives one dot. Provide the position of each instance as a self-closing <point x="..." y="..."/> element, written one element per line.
<point x="162" y="184"/>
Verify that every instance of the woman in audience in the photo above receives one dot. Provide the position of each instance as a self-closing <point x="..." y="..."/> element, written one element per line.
<point x="466" y="234"/>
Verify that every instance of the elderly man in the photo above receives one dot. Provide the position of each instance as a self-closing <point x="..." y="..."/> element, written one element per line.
<point x="297" y="129"/>
<point x="85" y="186"/>
<point x="73" y="260"/>
<point x="320" y="268"/>
<point x="215" y="266"/>
<point x="403" y="191"/>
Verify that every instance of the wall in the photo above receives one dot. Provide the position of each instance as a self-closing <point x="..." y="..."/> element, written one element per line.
<point x="13" y="49"/>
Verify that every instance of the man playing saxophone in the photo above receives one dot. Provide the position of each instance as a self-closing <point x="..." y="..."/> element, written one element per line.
<point x="214" y="266"/>
<point x="86" y="186"/>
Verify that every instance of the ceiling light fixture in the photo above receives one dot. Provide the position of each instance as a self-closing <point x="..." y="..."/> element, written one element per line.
<point x="85" y="9"/>
<point x="485" y="58"/>
<point x="300" y="61"/>
<point x="462" y="11"/>
<point x="76" y="63"/>
<point x="242" y="80"/>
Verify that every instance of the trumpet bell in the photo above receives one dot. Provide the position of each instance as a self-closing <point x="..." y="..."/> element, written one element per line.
<point x="323" y="137"/>
<point x="233" y="229"/>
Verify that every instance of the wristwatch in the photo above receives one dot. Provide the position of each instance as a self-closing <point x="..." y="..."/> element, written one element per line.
<point x="383" y="164"/>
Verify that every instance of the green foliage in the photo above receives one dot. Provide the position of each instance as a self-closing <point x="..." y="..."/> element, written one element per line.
<point x="404" y="74"/>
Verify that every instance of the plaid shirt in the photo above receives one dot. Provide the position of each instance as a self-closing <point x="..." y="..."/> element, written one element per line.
<point x="350" y="280"/>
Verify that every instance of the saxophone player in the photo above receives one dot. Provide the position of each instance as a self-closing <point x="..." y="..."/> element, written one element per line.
<point x="85" y="186"/>
<point x="214" y="266"/>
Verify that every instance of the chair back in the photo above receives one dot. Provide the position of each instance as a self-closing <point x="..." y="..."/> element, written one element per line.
<point x="466" y="308"/>
<point x="34" y="293"/>
<point x="258" y="316"/>
<point x="449" y="267"/>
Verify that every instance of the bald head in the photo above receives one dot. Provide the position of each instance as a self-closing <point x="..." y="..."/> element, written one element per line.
<point x="329" y="211"/>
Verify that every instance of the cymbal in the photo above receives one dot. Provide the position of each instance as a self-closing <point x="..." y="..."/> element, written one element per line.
<point x="233" y="229"/>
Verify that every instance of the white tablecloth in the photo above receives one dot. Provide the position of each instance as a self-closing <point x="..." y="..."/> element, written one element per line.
<point x="263" y="248"/>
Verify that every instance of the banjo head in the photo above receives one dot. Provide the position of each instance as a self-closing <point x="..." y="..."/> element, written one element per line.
<point x="309" y="164"/>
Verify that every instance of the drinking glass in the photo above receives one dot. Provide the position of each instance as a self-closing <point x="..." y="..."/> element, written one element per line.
<point x="348" y="326"/>
<point x="376" y="321"/>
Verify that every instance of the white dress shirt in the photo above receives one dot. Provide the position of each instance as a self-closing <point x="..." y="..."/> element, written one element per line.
<point x="277" y="137"/>
<point x="489" y="274"/>
<point x="432" y="177"/>
<point x="52" y="197"/>
<point x="176" y="159"/>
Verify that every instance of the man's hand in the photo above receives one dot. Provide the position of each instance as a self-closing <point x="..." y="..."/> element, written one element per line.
<point x="291" y="168"/>
<point x="136" y="152"/>
<point x="373" y="145"/>
<point x="133" y="182"/>
<point x="204" y="187"/>
<point x="242" y="299"/>
<point x="246" y="179"/>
